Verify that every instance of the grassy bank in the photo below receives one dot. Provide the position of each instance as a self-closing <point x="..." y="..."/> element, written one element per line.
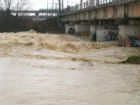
<point x="132" y="60"/>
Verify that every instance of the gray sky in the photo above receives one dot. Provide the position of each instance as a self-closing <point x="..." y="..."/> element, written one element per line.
<point x="37" y="4"/>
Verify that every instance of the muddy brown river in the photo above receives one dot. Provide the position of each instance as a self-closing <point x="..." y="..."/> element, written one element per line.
<point x="49" y="69"/>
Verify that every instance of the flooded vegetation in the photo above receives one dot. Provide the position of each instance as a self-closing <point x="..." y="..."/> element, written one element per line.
<point x="52" y="69"/>
<point x="132" y="60"/>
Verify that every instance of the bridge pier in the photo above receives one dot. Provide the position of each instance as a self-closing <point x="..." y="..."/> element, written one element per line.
<point x="102" y="31"/>
<point x="79" y="29"/>
<point x="129" y="30"/>
<point x="82" y="29"/>
<point x="93" y="29"/>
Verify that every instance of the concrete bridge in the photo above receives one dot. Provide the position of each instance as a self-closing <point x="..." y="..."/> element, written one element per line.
<point x="41" y="14"/>
<point x="102" y="16"/>
<point x="56" y="11"/>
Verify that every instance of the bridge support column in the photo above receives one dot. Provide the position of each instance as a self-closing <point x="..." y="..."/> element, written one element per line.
<point x="129" y="30"/>
<point x="103" y="32"/>
<point x="93" y="29"/>
<point x="82" y="29"/>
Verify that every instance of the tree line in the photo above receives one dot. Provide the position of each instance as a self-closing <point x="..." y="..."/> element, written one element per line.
<point x="13" y="22"/>
<point x="10" y="22"/>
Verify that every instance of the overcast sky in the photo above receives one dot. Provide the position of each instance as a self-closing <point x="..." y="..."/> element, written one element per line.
<point x="37" y="4"/>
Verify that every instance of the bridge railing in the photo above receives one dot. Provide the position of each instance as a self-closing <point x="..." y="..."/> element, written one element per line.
<point x="95" y="4"/>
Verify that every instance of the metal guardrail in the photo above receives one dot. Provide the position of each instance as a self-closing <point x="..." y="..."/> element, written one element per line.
<point x="94" y="4"/>
<point x="36" y="11"/>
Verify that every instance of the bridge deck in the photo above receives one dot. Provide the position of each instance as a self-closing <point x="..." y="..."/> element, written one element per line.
<point x="115" y="9"/>
<point x="95" y="5"/>
<point x="36" y="11"/>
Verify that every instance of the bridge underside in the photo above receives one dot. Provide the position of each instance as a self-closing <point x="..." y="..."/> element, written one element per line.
<point x="122" y="19"/>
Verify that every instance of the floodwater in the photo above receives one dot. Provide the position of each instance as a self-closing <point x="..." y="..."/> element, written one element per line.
<point x="47" y="69"/>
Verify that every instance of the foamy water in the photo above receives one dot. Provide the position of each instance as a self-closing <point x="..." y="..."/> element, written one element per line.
<point x="46" y="69"/>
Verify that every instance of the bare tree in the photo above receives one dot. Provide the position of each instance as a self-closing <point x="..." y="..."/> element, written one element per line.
<point x="0" y="5"/>
<point x="21" y="5"/>
<point x="6" y="4"/>
<point x="13" y="4"/>
<point x="9" y="5"/>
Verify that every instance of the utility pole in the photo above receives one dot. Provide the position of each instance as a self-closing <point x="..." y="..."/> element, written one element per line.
<point x="55" y="8"/>
<point x="67" y="3"/>
<point x="47" y="8"/>
<point x="62" y="5"/>
<point x="59" y="4"/>
<point x="52" y="7"/>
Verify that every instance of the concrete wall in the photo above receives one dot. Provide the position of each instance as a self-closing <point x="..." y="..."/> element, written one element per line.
<point x="134" y="10"/>
<point x="109" y="13"/>
<point x="129" y="30"/>
<point x="100" y="13"/>
<point x="120" y="11"/>
<point x="82" y="16"/>
<point x="101" y="34"/>
<point x="102" y="31"/>
<point x="82" y="28"/>
<point x="92" y="15"/>
<point x="93" y="29"/>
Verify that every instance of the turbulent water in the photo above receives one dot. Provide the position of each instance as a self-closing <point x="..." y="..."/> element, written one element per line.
<point x="48" y="69"/>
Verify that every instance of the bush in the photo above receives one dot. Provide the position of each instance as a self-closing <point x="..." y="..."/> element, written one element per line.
<point x="132" y="60"/>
